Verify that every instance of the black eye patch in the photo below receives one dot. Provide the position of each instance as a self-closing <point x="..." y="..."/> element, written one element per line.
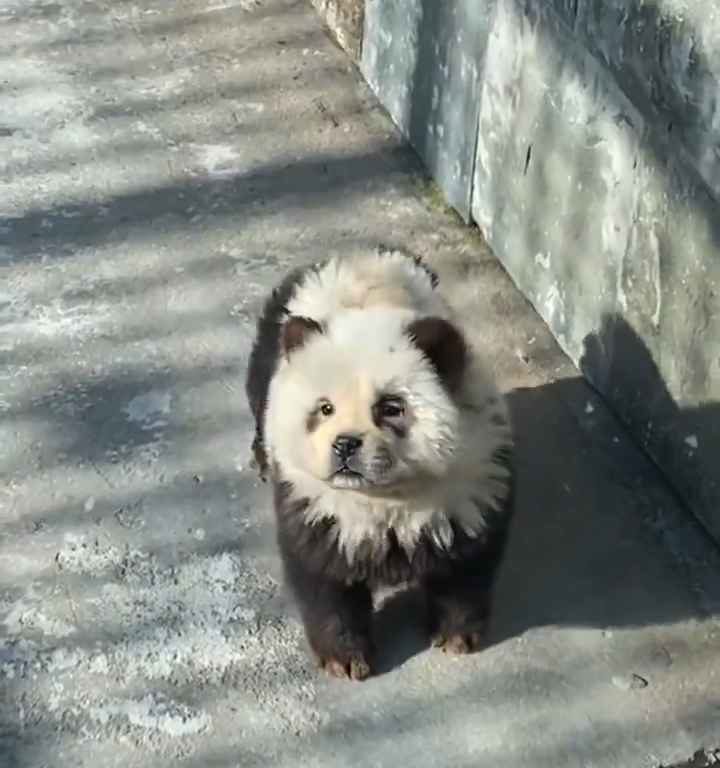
<point x="389" y="412"/>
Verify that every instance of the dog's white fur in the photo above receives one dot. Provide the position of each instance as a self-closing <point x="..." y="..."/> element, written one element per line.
<point x="368" y="280"/>
<point x="366" y="304"/>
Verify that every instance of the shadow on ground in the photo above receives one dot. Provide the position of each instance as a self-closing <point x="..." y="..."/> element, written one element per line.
<point x="542" y="192"/>
<point x="593" y="517"/>
<point x="591" y="508"/>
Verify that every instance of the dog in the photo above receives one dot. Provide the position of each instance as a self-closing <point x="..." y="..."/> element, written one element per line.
<point x="389" y="450"/>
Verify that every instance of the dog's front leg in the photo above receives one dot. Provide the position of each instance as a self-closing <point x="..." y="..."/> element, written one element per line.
<point x="337" y="619"/>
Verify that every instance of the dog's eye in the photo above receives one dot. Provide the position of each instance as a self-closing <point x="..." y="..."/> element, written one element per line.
<point x="392" y="409"/>
<point x="327" y="409"/>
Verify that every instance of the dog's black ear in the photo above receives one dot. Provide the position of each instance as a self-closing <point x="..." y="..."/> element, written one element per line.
<point x="296" y="331"/>
<point x="444" y="345"/>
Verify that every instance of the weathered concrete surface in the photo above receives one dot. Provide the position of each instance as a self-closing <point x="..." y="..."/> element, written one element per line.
<point x="583" y="138"/>
<point x="162" y="166"/>
<point x="345" y="20"/>
<point x="604" y="212"/>
<point x="665" y="55"/>
<point x="703" y="758"/>
<point x="423" y="61"/>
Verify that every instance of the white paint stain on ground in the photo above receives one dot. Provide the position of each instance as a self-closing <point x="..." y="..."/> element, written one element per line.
<point x="216" y="160"/>
<point x="53" y="321"/>
<point x="245" y="5"/>
<point x="154" y="712"/>
<point x="149" y="409"/>
<point x="28" y="617"/>
<point x="140" y="126"/>
<point x="46" y="97"/>
<point x="90" y="556"/>
<point x="16" y="564"/>
<point x="202" y="622"/>
<point x="692" y="442"/>
<point x="251" y="107"/>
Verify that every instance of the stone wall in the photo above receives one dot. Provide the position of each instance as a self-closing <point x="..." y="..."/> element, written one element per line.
<point x="583" y="137"/>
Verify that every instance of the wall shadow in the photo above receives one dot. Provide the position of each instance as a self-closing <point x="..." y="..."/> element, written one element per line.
<point x="662" y="347"/>
<point x="658" y="67"/>
<point x="599" y="540"/>
<point x="659" y="56"/>
<point x="683" y="441"/>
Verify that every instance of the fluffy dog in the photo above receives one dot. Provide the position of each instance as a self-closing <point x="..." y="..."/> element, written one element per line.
<point x="389" y="450"/>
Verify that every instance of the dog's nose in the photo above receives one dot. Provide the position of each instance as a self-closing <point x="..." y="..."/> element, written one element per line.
<point x="346" y="446"/>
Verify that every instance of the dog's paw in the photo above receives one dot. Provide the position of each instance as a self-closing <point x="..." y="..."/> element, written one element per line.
<point x="460" y="643"/>
<point x="355" y="667"/>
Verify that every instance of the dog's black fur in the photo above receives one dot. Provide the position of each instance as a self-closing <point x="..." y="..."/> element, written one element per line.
<point x="335" y="597"/>
<point x="265" y="355"/>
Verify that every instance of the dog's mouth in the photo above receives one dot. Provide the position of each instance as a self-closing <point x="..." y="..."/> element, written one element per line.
<point x="344" y="477"/>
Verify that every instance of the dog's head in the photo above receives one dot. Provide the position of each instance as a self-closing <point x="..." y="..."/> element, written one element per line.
<point x="366" y="402"/>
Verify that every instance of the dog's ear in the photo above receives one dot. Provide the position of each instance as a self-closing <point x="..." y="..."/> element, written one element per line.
<point x="296" y="331"/>
<point x="444" y="346"/>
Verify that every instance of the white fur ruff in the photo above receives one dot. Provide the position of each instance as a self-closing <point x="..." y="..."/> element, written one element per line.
<point x="367" y="303"/>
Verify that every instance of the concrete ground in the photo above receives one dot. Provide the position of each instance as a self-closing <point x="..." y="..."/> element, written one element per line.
<point x="161" y="165"/>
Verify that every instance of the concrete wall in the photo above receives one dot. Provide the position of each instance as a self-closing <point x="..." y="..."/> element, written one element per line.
<point x="592" y="188"/>
<point x="345" y="20"/>
<point x="423" y="59"/>
<point x="583" y="137"/>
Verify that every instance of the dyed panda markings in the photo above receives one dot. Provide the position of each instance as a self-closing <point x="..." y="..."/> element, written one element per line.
<point x="373" y="336"/>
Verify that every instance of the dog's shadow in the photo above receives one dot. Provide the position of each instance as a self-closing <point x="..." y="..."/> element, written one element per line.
<point x="400" y="628"/>
<point x="586" y="544"/>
